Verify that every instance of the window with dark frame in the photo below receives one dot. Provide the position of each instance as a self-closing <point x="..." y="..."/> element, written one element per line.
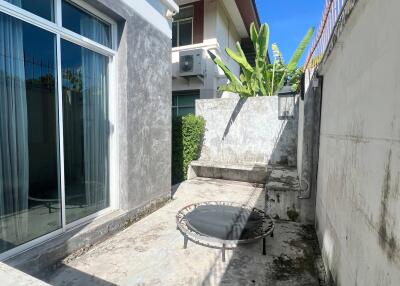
<point x="182" y="27"/>
<point x="183" y="102"/>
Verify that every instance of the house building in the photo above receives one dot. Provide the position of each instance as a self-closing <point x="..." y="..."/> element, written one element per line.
<point x="203" y="25"/>
<point x="84" y="122"/>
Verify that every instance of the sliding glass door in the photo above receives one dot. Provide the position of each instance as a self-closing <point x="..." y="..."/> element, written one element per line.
<point x="54" y="119"/>
<point x="29" y="189"/>
<point x="85" y="109"/>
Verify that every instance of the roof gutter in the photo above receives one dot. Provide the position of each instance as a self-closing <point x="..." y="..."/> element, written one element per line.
<point x="249" y="13"/>
<point x="256" y="11"/>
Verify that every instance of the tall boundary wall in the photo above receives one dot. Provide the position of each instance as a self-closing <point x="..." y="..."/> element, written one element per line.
<point x="358" y="186"/>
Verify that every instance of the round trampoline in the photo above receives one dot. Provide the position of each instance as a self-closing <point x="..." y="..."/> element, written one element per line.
<point x="223" y="225"/>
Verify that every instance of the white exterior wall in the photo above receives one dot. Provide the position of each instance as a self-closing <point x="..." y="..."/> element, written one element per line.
<point x="358" y="196"/>
<point x="227" y="36"/>
<point x="219" y="33"/>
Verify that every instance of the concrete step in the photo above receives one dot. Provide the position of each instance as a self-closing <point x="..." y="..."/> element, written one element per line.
<point x="282" y="178"/>
<point x="251" y="173"/>
<point x="282" y="189"/>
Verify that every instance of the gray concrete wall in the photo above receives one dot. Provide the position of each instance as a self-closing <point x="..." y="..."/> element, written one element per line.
<point x="358" y="197"/>
<point x="144" y="107"/>
<point x="247" y="131"/>
<point x="308" y="151"/>
<point x="144" y="114"/>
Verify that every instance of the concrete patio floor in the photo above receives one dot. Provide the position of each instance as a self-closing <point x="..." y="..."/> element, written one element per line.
<point x="150" y="252"/>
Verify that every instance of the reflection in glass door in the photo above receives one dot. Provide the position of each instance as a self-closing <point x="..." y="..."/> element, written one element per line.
<point x="85" y="123"/>
<point x="29" y="186"/>
<point x="54" y="122"/>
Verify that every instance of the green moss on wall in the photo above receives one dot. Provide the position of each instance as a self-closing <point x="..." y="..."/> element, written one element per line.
<point x="292" y="213"/>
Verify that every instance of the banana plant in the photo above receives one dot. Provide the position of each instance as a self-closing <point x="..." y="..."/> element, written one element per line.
<point x="277" y="73"/>
<point x="291" y="73"/>
<point x="262" y="78"/>
<point x="251" y="80"/>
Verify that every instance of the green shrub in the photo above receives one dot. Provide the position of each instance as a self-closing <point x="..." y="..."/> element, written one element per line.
<point x="187" y="136"/>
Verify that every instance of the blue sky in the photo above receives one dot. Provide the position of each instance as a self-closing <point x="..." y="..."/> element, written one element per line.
<point x="289" y="20"/>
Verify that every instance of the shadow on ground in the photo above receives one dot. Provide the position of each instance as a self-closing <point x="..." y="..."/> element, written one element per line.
<point x="81" y="278"/>
<point x="150" y="252"/>
<point x="293" y="258"/>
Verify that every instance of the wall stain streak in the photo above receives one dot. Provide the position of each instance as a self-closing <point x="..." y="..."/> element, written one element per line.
<point x="397" y="187"/>
<point x="358" y="139"/>
<point x="386" y="241"/>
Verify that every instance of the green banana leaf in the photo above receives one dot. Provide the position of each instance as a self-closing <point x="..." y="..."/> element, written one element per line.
<point x="224" y="68"/>
<point x="239" y="89"/>
<point x="299" y="51"/>
<point x="263" y="39"/>
<point x="239" y="58"/>
<point x="254" y="36"/>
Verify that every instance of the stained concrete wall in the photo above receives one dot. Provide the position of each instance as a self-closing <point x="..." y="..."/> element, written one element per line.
<point x="309" y="125"/>
<point x="308" y="152"/>
<point x="144" y="113"/>
<point x="144" y="106"/>
<point x="358" y="196"/>
<point x="247" y="131"/>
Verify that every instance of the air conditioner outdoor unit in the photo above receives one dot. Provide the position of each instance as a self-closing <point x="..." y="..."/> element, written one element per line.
<point x="191" y="63"/>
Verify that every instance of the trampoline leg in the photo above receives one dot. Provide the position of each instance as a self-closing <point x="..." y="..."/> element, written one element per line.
<point x="185" y="242"/>
<point x="223" y="253"/>
<point x="264" y="247"/>
<point x="272" y="234"/>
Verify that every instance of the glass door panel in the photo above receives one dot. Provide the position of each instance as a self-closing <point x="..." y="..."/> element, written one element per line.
<point x="29" y="179"/>
<point x="86" y="24"/>
<point x="86" y="130"/>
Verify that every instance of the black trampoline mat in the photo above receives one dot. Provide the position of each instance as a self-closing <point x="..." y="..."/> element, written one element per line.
<point x="225" y="222"/>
